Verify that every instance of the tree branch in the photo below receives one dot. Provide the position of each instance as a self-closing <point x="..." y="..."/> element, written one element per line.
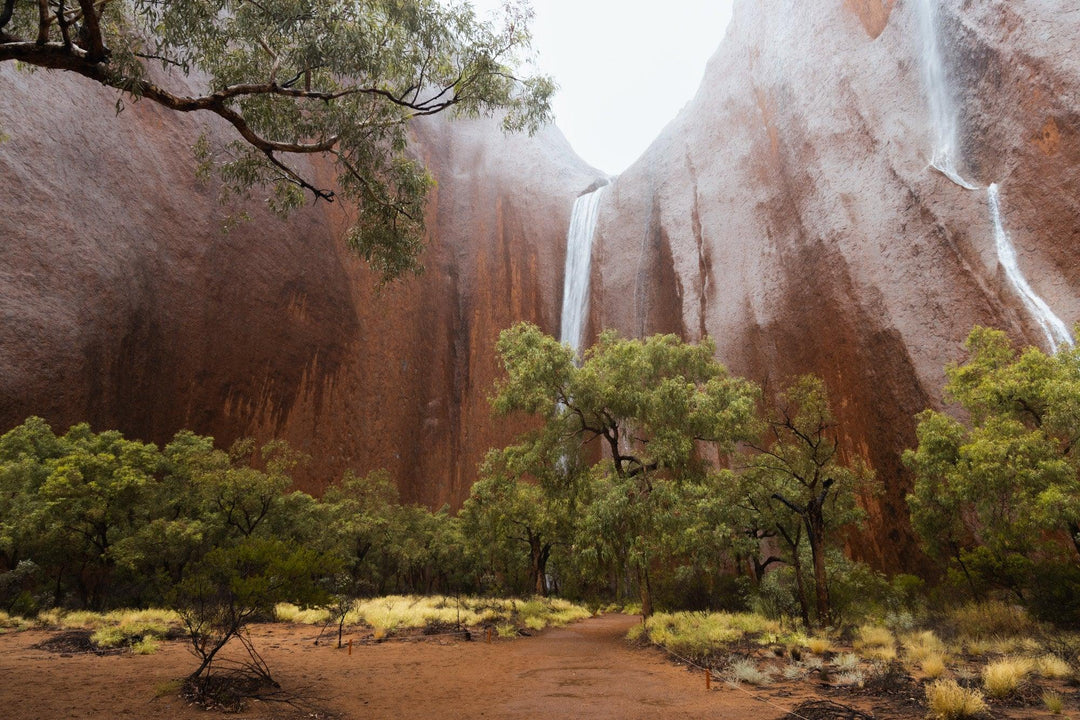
<point x="6" y="13"/>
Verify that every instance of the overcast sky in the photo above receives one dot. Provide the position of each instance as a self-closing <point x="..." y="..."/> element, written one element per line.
<point x="625" y="67"/>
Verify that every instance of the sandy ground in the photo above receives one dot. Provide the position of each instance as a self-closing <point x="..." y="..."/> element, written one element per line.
<point x="585" y="670"/>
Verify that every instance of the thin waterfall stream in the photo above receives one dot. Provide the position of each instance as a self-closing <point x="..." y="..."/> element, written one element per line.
<point x="947" y="153"/>
<point x="579" y="240"/>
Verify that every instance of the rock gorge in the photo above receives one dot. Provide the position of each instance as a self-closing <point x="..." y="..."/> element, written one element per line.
<point x="790" y="212"/>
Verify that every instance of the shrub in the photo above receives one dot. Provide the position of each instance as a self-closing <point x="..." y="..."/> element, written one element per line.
<point x="146" y="646"/>
<point x="851" y="677"/>
<point x="948" y="701"/>
<point x="1002" y="677"/>
<point x="819" y="644"/>
<point x="745" y="670"/>
<point x="699" y="635"/>
<point x="846" y="662"/>
<point x="992" y="619"/>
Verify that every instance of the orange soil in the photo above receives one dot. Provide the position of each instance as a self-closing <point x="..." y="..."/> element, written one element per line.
<point x="584" y="670"/>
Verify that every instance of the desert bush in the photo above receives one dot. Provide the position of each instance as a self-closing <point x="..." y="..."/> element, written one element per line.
<point x="699" y="635"/>
<point x="1002" y="677"/>
<point x="854" y="677"/>
<point x="846" y="662"/>
<point x="993" y="619"/>
<point x="948" y="701"/>
<point x="747" y="671"/>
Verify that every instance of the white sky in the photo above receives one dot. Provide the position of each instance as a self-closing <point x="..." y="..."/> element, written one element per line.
<point x="625" y="67"/>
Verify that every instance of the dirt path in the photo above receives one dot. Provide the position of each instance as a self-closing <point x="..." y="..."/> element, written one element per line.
<point x="585" y="670"/>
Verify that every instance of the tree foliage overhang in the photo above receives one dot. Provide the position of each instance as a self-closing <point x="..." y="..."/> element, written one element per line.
<point x="340" y="78"/>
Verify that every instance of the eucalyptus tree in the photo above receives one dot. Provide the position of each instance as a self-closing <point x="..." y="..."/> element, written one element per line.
<point x="652" y="405"/>
<point x="294" y="78"/>
<point x="798" y="484"/>
<point x="1000" y="487"/>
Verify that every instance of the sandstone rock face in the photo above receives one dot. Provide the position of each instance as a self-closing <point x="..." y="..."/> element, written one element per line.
<point x="123" y="303"/>
<point x="790" y="211"/>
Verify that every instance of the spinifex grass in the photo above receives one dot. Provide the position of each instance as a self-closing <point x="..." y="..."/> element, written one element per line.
<point x="948" y="701"/>
<point x="1002" y="677"/>
<point x="699" y="635"/>
<point x="395" y="612"/>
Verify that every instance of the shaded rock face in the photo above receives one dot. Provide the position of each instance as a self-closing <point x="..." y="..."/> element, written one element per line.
<point x="790" y="212"/>
<point x="123" y="303"/>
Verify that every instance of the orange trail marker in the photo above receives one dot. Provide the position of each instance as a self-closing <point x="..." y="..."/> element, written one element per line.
<point x="708" y="679"/>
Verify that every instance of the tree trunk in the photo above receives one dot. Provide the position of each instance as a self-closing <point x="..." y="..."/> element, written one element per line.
<point x="815" y="526"/>
<point x="800" y="588"/>
<point x="645" y="588"/>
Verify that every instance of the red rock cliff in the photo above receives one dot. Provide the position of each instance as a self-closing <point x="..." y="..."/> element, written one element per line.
<point x="123" y="303"/>
<point x="790" y="211"/>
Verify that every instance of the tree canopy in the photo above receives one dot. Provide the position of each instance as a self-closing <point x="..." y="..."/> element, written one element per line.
<point x="654" y="405"/>
<point x="996" y="491"/>
<point x="338" y="78"/>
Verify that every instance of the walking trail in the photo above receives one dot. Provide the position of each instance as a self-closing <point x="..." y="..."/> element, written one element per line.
<point x="585" y="670"/>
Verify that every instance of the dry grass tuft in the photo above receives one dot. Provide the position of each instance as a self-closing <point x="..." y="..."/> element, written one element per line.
<point x="699" y="635"/>
<point x="992" y="620"/>
<point x="933" y="666"/>
<point x="948" y="701"/>
<point x="1053" y="702"/>
<point x="745" y="670"/>
<point x="1002" y="677"/>
<point x="921" y="645"/>
<point x="819" y="645"/>
<point x="1053" y="667"/>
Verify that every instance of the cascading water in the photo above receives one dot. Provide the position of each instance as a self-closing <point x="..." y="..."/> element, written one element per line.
<point x="1057" y="333"/>
<point x="942" y="108"/>
<point x="575" y="305"/>
<point x="946" y="154"/>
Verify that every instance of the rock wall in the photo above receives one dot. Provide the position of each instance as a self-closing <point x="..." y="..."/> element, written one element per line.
<point x="123" y="303"/>
<point x="790" y="212"/>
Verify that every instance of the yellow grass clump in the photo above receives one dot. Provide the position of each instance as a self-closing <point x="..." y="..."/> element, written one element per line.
<point x="819" y="644"/>
<point x="1002" y="677"/>
<point x="921" y="645"/>
<point x="289" y="613"/>
<point x="992" y="619"/>
<point x="394" y="612"/>
<point x="933" y="666"/>
<point x="702" y="634"/>
<point x="869" y="637"/>
<point x="1053" y="702"/>
<point x="1052" y="666"/>
<point x="948" y="701"/>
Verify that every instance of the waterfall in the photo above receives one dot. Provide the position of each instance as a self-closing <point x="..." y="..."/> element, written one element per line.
<point x="946" y="155"/>
<point x="1057" y="333"/>
<point x="575" y="305"/>
<point x="943" y="113"/>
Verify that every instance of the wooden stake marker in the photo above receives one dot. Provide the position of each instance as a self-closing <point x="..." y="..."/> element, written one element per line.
<point x="708" y="679"/>
<point x="350" y="646"/>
